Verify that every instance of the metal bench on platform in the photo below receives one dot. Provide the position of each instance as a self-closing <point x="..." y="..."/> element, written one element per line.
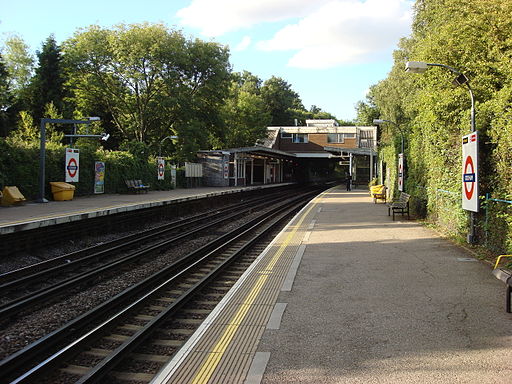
<point x="399" y="206"/>
<point x="136" y="186"/>
<point x="504" y="275"/>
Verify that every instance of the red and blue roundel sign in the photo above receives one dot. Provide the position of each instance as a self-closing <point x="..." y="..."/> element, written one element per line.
<point x="470" y="172"/>
<point x="72" y="165"/>
<point x="161" y="168"/>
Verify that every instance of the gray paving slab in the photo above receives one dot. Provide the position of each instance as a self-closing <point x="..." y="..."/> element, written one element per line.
<point x="377" y="301"/>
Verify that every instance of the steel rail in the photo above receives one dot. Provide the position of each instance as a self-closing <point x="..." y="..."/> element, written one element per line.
<point x="32" y="353"/>
<point x="20" y="275"/>
<point x="21" y="303"/>
<point x="121" y="352"/>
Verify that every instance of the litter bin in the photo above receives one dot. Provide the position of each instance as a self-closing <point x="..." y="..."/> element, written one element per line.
<point x="62" y="191"/>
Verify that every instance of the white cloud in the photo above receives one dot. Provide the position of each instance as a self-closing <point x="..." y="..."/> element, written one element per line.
<point x="343" y="31"/>
<point x="215" y="18"/>
<point x="243" y="44"/>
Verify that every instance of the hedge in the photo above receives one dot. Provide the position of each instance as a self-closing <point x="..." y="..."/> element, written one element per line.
<point x="19" y="166"/>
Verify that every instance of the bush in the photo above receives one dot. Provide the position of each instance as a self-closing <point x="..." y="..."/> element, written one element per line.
<point x="19" y="166"/>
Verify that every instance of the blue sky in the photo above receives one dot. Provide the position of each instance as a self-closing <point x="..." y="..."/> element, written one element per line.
<point x="329" y="51"/>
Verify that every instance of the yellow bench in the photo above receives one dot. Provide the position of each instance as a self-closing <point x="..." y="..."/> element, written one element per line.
<point x="378" y="192"/>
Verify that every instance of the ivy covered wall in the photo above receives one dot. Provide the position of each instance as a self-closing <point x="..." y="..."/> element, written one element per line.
<point x="475" y="37"/>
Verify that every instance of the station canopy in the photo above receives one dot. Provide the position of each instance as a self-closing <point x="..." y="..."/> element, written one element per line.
<point x="353" y="151"/>
<point x="257" y="150"/>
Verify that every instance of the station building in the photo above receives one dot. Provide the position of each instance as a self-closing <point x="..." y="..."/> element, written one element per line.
<point x="320" y="151"/>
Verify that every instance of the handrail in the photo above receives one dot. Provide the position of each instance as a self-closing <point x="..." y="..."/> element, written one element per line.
<point x="499" y="259"/>
<point x="488" y="197"/>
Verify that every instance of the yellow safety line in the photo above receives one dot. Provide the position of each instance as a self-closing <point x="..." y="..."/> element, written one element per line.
<point x="214" y="357"/>
<point x="285" y="243"/>
<point x="499" y="259"/>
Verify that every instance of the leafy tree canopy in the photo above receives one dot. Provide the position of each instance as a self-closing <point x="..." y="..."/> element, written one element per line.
<point x="153" y="81"/>
<point x="281" y="100"/>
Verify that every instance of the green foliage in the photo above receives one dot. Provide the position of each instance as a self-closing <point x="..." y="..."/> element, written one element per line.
<point x="6" y="99"/>
<point x="47" y="85"/>
<point x="473" y="36"/>
<point x="281" y="100"/>
<point x="18" y="61"/>
<point x="152" y="81"/>
<point x="245" y="113"/>
<point x="19" y="166"/>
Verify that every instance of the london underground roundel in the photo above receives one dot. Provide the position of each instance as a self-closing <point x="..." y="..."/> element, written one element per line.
<point x="470" y="172"/>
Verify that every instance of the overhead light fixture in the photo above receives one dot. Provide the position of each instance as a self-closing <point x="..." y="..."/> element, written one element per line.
<point x="416" y="66"/>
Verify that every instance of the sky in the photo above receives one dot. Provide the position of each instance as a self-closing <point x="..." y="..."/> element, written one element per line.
<point x="329" y="51"/>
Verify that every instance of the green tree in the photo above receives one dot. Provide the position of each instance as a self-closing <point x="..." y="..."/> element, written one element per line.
<point x="282" y="101"/>
<point x="19" y="63"/>
<point x="317" y="113"/>
<point x="366" y="111"/>
<point x="6" y="100"/>
<point x="474" y="37"/>
<point x="47" y="85"/>
<point x="245" y="112"/>
<point x="152" y="80"/>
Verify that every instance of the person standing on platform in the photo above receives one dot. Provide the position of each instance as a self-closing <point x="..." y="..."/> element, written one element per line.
<point x="348" y="180"/>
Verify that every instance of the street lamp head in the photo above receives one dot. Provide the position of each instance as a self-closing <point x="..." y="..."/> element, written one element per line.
<point x="460" y="80"/>
<point x="416" y="66"/>
<point x="93" y="118"/>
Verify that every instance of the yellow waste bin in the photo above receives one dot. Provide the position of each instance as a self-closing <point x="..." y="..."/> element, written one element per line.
<point x="62" y="191"/>
<point x="11" y="195"/>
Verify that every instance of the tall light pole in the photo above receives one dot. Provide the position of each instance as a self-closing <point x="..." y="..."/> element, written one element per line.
<point x="162" y="141"/>
<point x="381" y="121"/>
<point x="461" y="79"/>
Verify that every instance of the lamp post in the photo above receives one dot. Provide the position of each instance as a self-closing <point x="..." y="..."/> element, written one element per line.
<point x="42" y="147"/>
<point x="461" y="79"/>
<point x="162" y="141"/>
<point x="381" y="121"/>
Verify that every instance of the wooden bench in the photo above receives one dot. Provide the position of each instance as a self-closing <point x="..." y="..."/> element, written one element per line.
<point x="505" y="275"/>
<point x="378" y="192"/>
<point x="136" y="186"/>
<point x="399" y="206"/>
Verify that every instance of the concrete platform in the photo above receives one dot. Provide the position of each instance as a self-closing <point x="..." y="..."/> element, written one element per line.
<point x="346" y="295"/>
<point x="35" y="215"/>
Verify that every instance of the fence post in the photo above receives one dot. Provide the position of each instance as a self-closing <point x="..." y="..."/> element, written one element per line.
<point x="487" y="197"/>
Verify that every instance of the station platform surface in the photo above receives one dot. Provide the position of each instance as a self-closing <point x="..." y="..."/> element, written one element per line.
<point x="33" y="215"/>
<point x="346" y="295"/>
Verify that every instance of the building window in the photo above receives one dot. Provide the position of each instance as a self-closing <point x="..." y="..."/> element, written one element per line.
<point x="339" y="137"/>
<point x="286" y="135"/>
<point x="300" y="138"/>
<point x="335" y="138"/>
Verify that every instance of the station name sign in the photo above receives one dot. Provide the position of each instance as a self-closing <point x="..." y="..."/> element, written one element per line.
<point x="470" y="172"/>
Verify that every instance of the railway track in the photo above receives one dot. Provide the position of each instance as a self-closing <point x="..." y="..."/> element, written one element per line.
<point x="134" y="333"/>
<point x="28" y="287"/>
<point x="34" y="239"/>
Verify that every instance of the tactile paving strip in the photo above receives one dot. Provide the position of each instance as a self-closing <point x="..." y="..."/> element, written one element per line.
<point x="222" y="350"/>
